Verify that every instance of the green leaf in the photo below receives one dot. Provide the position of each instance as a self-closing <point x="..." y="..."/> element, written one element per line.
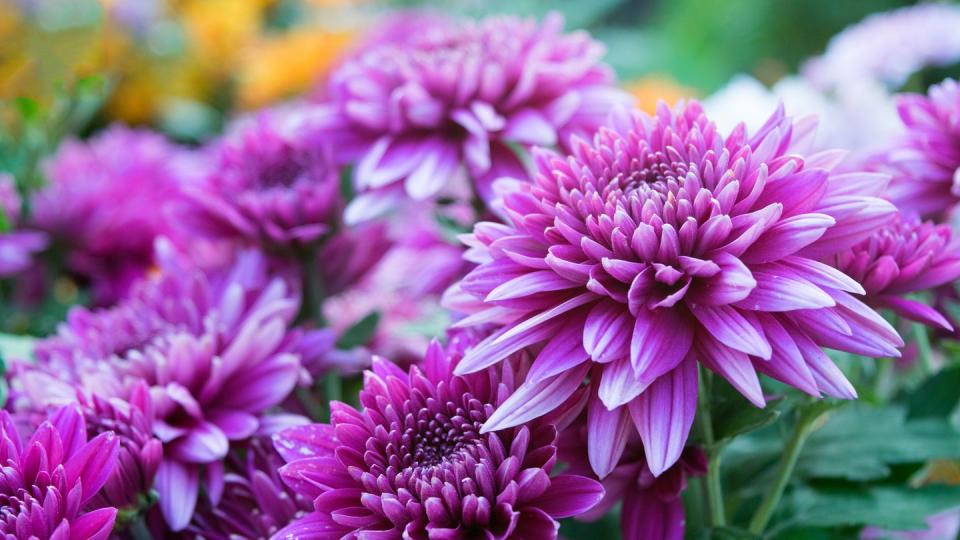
<point x="888" y="507"/>
<point x="360" y="333"/>
<point x="733" y="415"/>
<point x="937" y="397"/>
<point x="860" y="443"/>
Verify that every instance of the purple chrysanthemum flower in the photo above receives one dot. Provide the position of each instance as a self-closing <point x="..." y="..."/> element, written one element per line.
<point x="652" y="507"/>
<point x="215" y="351"/>
<point x="904" y="257"/>
<point x="139" y="452"/>
<point x="452" y="96"/>
<point x="105" y="201"/>
<point x="414" y="463"/>
<point x="889" y="47"/>
<point x="48" y="482"/>
<point x="663" y="244"/>
<point x="926" y="161"/>
<point x="255" y="503"/>
<point x="17" y="247"/>
<point x="267" y="187"/>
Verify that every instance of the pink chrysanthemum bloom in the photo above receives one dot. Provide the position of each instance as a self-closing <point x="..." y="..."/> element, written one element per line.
<point x="256" y="503"/>
<point x="926" y="161"/>
<point x="215" y="351"/>
<point x="652" y="507"/>
<point x="450" y="98"/>
<point x="17" y="247"/>
<point x="105" y="201"/>
<point x="663" y="244"/>
<point x="414" y="463"/>
<point x="48" y="482"/>
<point x="139" y="452"/>
<point x="267" y="188"/>
<point x="904" y="257"/>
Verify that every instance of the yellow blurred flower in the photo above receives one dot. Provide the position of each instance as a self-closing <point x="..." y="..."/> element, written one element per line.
<point x="148" y="84"/>
<point x="218" y="30"/>
<point x="35" y="61"/>
<point x="276" y="67"/>
<point x="648" y="90"/>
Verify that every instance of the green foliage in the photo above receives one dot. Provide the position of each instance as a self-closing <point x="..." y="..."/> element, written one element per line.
<point x="937" y="397"/>
<point x="889" y="507"/>
<point x="360" y="333"/>
<point x="733" y="415"/>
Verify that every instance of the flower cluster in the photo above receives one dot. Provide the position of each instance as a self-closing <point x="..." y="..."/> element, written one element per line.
<point x="432" y="101"/>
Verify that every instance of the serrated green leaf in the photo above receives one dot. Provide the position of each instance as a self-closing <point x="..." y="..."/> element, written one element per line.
<point x="360" y="333"/>
<point x="888" y="507"/>
<point x="861" y="443"/>
<point x="937" y="397"/>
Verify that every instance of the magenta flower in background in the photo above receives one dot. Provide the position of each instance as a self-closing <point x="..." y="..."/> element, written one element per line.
<point x="48" y="482"/>
<point x="652" y="507"/>
<point x="413" y="462"/>
<point x="139" y="453"/>
<point x="267" y="188"/>
<point x="409" y="308"/>
<point x="422" y="108"/>
<point x="661" y="245"/>
<point x="926" y="161"/>
<point x="903" y="257"/>
<point x="216" y="352"/>
<point x="255" y="503"/>
<point x="17" y="247"/>
<point x="889" y="47"/>
<point x="104" y="203"/>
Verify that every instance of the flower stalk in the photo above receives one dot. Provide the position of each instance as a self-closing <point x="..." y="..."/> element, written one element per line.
<point x="806" y="423"/>
<point x="713" y="486"/>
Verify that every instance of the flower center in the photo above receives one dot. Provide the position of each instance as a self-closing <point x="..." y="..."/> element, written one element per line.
<point x="440" y="438"/>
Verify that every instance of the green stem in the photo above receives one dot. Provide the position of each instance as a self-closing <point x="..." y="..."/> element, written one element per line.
<point x="138" y="530"/>
<point x="317" y="410"/>
<point x="923" y="347"/>
<point x="770" y="501"/>
<point x="332" y="389"/>
<point x="718" y="516"/>
<point x="313" y="290"/>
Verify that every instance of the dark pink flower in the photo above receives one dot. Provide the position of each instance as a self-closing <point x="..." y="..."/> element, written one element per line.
<point x="926" y="161"/>
<point x="216" y="352"/>
<point x="267" y="187"/>
<point x="663" y="244"/>
<point x="414" y="463"/>
<point x="255" y="503"/>
<point x="903" y="257"/>
<point x="446" y="99"/>
<point x="105" y="201"/>
<point x="48" y="481"/>
<point x="139" y="452"/>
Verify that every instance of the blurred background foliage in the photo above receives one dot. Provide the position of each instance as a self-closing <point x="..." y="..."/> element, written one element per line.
<point x="185" y="65"/>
